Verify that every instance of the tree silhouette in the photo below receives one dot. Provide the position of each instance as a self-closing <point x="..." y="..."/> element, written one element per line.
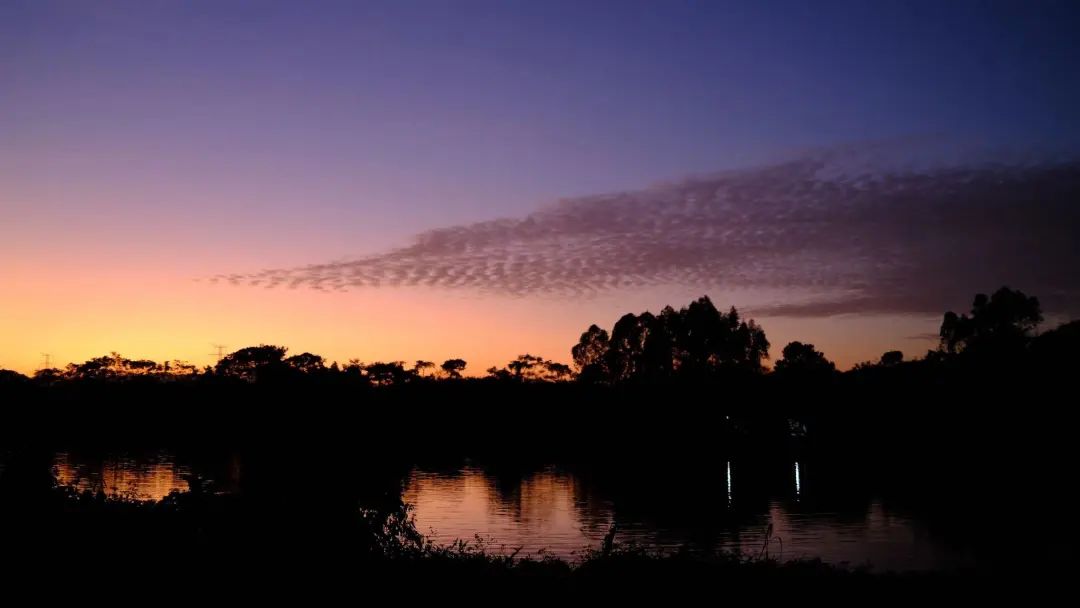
<point x="453" y="368"/>
<point x="626" y="352"/>
<point x="697" y="342"/>
<point x="176" y="367"/>
<point x="557" y="372"/>
<point x="423" y="368"/>
<point x="524" y="365"/>
<point x="530" y="368"/>
<point x="706" y="339"/>
<point x="252" y="362"/>
<point x="96" y="369"/>
<point x="804" y="359"/>
<point x="892" y="357"/>
<point x="1058" y="349"/>
<point x="590" y="352"/>
<point x="12" y="378"/>
<point x="48" y="375"/>
<point x="306" y="363"/>
<point x="113" y="366"/>
<point x="1001" y="323"/>
<point x="391" y="373"/>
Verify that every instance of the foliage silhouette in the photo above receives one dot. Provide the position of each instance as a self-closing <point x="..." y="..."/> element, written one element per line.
<point x="695" y="343"/>
<point x="804" y="359"/>
<point x="423" y="368"/>
<point x="530" y="368"/>
<point x="306" y="363"/>
<point x="253" y="363"/>
<point x="999" y="324"/>
<point x="892" y="357"/>
<point x="452" y="368"/>
<point x="391" y="373"/>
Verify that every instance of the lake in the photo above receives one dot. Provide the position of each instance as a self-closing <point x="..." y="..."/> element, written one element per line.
<point x="563" y="511"/>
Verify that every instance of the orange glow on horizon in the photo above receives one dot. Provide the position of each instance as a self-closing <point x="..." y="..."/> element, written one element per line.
<point x="79" y="311"/>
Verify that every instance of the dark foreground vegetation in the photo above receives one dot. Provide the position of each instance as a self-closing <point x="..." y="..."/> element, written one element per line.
<point x="986" y="414"/>
<point x="206" y="539"/>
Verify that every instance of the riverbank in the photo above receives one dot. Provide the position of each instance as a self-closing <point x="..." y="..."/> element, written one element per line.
<point x="200" y="535"/>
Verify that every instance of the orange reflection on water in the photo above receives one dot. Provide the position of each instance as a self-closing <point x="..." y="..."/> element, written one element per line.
<point x="537" y="513"/>
<point x="151" y="478"/>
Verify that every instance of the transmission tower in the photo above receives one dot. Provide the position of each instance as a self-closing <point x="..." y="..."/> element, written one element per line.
<point x="219" y="352"/>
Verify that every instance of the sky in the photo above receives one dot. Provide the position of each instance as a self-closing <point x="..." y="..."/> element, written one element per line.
<point x="425" y="179"/>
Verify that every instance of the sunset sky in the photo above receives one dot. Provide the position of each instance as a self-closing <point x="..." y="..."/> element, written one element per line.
<point x="425" y="180"/>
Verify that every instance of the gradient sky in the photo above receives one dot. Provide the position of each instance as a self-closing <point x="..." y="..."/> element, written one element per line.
<point x="145" y="145"/>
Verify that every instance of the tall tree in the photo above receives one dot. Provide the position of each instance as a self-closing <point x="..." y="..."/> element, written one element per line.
<point x="695" y="342"/>
<point x="1000" y="323"/>
<point x="590" y="354"/>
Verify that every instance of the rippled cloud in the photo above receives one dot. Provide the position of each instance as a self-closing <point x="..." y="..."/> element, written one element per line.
<point x="863" y="237"/>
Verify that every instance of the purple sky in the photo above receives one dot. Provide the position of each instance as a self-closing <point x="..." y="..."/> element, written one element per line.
<point x="196" y="139"/>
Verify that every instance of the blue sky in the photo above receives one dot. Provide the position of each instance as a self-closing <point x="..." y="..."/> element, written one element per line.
<point x="466" y="110"/>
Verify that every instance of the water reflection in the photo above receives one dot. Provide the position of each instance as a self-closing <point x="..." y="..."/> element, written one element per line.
<point x="541" y="511"/>
<point x="728" y="478"/>
<point x="559" y="511"/>
<point x="146" y="477"/>
<point x="556" y="512"/>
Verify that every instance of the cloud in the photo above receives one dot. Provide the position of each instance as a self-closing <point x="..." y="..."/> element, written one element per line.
<point x="865" y="235"/>
<point x="926" y="337"/>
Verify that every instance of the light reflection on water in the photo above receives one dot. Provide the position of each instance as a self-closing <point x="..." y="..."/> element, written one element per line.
<point x="150" y="477"/>
<point x="727" y="479"/>
<point x="553" y="512"/>
<point x="542" y="512"/>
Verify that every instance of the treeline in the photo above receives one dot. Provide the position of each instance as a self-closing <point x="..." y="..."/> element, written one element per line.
<point x="269" y="363"/>
<point x="697" y="344"/>
<point x="690" y="384"/>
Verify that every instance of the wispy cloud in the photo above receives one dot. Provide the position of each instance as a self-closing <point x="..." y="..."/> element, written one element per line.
<point x="865" y="236"/>
<point x="927" y="337"/>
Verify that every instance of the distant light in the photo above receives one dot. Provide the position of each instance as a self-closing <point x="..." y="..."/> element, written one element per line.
<point x="729" y="483"/>
<point x="798" y="484"/>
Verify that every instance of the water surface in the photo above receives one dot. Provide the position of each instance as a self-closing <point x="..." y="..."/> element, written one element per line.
<point x="558" y="511"/>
